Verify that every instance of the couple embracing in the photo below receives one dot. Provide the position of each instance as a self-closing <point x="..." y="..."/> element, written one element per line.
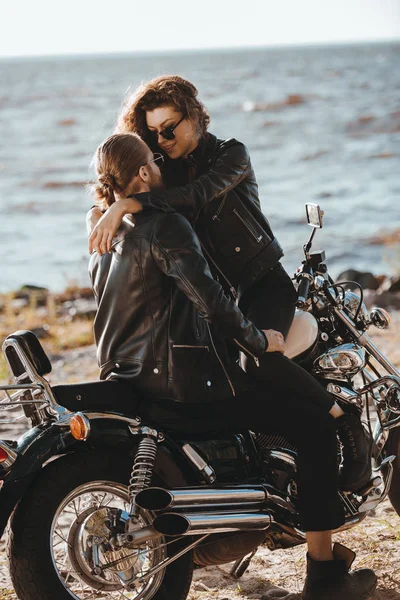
<point x="186" y="273"/>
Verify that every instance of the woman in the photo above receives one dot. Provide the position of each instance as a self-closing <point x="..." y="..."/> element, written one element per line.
<point x="125" y="165"/>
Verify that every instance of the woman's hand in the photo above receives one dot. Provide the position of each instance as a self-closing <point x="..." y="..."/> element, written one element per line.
<point x="92" y="218"/>
<point x="100" y="239"/>
<point x="276" y="341"/>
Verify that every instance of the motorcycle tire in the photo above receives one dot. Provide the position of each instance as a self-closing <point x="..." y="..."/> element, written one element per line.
<point x="393" y="447"/>
<point x="33" y="555"/>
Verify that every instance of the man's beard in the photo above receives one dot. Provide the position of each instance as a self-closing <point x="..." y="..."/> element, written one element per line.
<point x="158" y="185"/>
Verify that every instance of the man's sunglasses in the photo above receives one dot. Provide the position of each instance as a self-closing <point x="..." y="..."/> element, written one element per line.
<point x="157" y="157"/>
<point x="168" y="132"/>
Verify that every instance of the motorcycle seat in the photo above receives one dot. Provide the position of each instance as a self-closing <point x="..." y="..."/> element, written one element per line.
<point x="99" y="396"/>
<point x="30" y="346"/>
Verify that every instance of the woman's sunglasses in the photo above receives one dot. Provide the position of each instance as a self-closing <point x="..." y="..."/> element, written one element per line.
<point x="168" y="132"/>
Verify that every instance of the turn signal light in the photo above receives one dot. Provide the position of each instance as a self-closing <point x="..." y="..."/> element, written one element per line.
<point x="3" y="455"/>
<point x="80" y="427"/>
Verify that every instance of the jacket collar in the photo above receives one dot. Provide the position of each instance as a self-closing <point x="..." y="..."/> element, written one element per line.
<point x="203" y="154"/>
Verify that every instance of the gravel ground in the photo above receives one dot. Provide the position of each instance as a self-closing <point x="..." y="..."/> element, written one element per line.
<point x="278" y="574"/>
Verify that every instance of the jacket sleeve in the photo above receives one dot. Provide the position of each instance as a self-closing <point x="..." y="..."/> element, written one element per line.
<point x="230" y="167"/>
<point x="177" y="252"/>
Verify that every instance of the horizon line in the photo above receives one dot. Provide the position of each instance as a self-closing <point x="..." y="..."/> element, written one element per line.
<point x="97" y="53"/>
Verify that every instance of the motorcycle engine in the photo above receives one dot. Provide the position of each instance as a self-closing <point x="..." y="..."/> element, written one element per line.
<point x="266" y="441"/>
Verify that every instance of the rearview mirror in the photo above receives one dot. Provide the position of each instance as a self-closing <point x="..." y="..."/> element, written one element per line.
<point x="314" y="215"/>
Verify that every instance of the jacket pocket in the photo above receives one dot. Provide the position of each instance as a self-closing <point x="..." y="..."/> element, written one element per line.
<point x="252" y="230"/>
<point x="191" y="362"/>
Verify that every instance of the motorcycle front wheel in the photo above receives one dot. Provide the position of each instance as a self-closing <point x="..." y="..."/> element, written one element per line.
<point x="62" y="537"/>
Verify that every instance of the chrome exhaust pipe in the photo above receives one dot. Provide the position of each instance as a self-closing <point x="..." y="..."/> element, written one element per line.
<point x="156" y="498"/>
<point x="213" y="522"/>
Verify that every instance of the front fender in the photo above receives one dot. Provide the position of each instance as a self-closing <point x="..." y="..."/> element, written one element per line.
<point x="41" y="444"/>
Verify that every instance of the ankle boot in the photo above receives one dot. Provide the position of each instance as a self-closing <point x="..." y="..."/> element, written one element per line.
<point x="357" y="447"/>
<point x="331" y="580"/>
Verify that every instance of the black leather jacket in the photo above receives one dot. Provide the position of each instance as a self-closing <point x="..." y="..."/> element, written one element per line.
<point x="223" y="205"/>
<point x="162" y="320"/>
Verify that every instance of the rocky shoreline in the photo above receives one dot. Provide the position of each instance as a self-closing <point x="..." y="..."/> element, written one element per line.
<point x="271" y="575"/>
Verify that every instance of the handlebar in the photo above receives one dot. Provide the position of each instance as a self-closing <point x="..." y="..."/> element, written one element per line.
<point x="305" y="279"/>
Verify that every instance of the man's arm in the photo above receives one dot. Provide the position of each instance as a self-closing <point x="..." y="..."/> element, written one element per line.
<point x="231" y="166"/>
<point x="177" y="252"/>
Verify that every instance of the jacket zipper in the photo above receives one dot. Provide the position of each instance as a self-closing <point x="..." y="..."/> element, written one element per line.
<point x="189" y="346"/>
<point x="215" y="217"/>
<point x="232" y="289"/>
<point x="249" y="229"/>
<point x="220" y="362"/>
<point x="256" y="359"/>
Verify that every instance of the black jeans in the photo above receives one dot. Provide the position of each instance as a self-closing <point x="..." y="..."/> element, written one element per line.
<point x="270" y="304"/>
<point x="270" y="412"/>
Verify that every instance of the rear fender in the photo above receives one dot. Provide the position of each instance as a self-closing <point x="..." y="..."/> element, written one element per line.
<point x="49" y="442"/>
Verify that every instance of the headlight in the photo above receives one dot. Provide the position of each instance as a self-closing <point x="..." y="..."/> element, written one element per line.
<point x="351" y="304"/>
<point x="340" y="362"/>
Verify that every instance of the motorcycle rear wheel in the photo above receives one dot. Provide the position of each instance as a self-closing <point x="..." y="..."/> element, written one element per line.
<point x="393" y="447"/>
<point x="48" y="554"/>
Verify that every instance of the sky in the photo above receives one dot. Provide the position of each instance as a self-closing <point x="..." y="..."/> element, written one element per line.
<point x="48" y="27"/>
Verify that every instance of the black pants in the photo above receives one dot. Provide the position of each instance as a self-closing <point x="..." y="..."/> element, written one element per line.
<point x="270" y="412"/>
<point x="270" y="304"/>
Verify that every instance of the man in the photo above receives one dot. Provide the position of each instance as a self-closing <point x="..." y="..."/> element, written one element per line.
<point x="164" y="324"/>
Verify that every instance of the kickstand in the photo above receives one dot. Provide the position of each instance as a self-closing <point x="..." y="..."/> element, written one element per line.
<point x="241" y="565"/>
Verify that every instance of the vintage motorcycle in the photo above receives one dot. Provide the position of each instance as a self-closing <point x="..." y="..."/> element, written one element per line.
<point x="103" y="505"/>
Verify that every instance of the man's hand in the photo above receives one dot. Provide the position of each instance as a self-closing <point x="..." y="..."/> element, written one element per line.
<point x="276" y="341"/>
<point x="106" y="227"/>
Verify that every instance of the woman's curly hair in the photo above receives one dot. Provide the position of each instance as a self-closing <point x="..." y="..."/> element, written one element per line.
<point x="164" y="90"/>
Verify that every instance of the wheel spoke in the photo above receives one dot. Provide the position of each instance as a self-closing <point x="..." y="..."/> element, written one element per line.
<point x="68" y="528"/>
<point x="75" y="509"/>
<point x="63" y="539"/>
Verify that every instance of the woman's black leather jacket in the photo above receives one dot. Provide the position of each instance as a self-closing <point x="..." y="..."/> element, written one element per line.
<point x="162" y="321"/>
<point x="223" y="205"/>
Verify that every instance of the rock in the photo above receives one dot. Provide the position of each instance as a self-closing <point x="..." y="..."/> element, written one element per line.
<point x="394" y="284"/>
<point x="388" y="300"/>
<point x="51" y="185"/>
<point x="79" y="308"/>
<point x="290" y="100"/>
<point x="67" y="122"/>
<point x="294" y="99"/>
<point x="383" y="155"/>
<point x="388" y="238"/>
<point x="32" y="289"/>
<point x="74" y="293"/>
<point x="367" y="280"/>
<point x="33" y="293"/>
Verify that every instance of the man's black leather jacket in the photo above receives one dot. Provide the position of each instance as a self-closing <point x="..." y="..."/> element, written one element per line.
<point x="223" y="205"/>
<point x="162" y="320"/>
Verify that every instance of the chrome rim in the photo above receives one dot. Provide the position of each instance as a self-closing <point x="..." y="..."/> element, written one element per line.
<point x="82" y="518"/>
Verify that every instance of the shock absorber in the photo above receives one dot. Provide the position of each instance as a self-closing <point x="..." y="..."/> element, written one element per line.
<point x="143" y="466"/>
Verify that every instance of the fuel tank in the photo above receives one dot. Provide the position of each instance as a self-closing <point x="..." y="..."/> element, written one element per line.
<point x="302" y="335"/>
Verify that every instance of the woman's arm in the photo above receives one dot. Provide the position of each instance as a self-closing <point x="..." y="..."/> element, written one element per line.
<point x="103" y="227"/>
<point x="231" y="166"/>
